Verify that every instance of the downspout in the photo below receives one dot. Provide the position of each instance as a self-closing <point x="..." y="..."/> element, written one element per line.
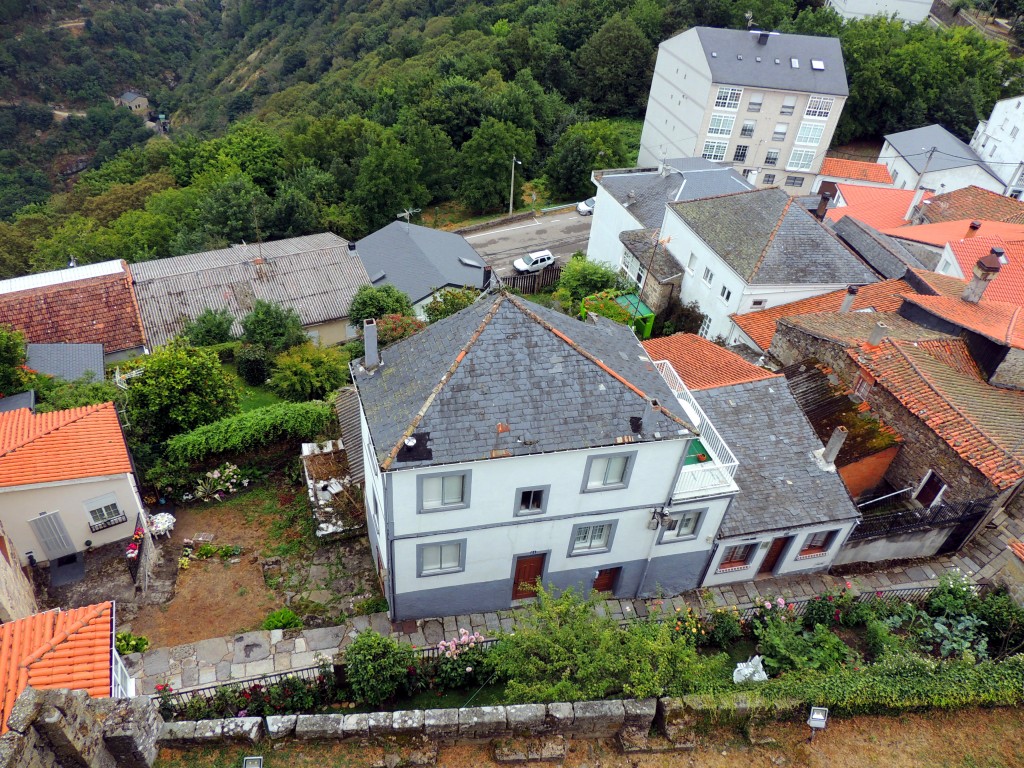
<point x="668" y="503"/>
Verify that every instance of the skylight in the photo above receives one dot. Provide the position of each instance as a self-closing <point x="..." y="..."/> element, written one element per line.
<point x="794" y="63"/>
<point x="817" y="64"/>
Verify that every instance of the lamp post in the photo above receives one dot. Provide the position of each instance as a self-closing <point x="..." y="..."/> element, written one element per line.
<point x="512" y="188"/>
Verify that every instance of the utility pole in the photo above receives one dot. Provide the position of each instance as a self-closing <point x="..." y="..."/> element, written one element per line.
<point x="512" y="188"/>
<point x="920" y="187"/>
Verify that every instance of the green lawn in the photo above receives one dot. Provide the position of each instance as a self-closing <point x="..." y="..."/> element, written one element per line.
<point x="252" y="397"/>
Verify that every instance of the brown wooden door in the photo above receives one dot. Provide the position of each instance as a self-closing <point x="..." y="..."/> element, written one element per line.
<point x="774" y="551"/>
<point x="605" y="581"/>
<point x="930" y="490"/>
<point x="529" y="568"/>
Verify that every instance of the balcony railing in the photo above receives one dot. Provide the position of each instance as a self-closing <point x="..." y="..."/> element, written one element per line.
<point x="718" y="471"/>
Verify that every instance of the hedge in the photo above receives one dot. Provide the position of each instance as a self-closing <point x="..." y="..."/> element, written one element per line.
<point x="252" y="429"/>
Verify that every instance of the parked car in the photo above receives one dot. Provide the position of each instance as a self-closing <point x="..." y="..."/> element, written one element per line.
<point x="586" y="208"/>
<point x="534" y="262"/>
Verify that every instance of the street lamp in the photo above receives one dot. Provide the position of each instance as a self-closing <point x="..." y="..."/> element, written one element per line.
<point x="512" y="189"/>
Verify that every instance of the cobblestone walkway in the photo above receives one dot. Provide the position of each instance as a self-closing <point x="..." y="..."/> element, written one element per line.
<point x="254" y="654"/>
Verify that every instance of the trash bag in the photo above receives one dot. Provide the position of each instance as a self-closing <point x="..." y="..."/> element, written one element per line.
<point x="749" y="671"/>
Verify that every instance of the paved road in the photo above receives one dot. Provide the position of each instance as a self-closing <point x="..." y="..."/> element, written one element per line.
<point x="564" y="233"/>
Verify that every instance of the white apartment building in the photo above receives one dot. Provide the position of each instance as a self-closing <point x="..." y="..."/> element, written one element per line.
<point x="999" y="141"/>
<point x="912" y="11"/>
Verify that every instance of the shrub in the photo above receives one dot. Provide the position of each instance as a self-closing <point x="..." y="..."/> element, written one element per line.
<point x="449" y="301"/>
<point x="282" y="618"/>
<point x="459" y="663"/>
<point x="126" y="643"/>
<point x="253" y="364"/>
<point x="1004" y="623"/>
<point x="605" y="305"/>
<point x="581" y="278"/>
<point x="226" y="351"/>
<point x="724" y="627"/>
<point x="273" y="326"/>
<point x="953" y="597"/>
<point x="878" y="639"/>
<point x="210" y="327"/>
<point x="55" y="394"/>
<point x="378" y="668"/>
<point x="392" y="328"/>
<point x="308" y="372"/>
<point x="956" y="636"/>
<point x="786" y="646"/>
<point x="370" y="605"/>
<point x="376" y="302"/>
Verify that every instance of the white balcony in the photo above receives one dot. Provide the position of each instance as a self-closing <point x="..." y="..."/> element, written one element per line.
<point x="710" y="466"/>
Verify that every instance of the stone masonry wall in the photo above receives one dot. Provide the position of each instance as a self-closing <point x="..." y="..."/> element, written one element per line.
<point x="791" y="345"/>
<point x="1010" y="373"/>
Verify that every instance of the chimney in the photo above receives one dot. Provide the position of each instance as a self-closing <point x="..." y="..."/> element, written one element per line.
<point x="487" y="279"/>
<point x="835" y="444"/>
<point x="879" y="332"/>
<point x="371" y="357"/>
<point x="973" y="229"/>
<point x="762" y="38"/>
<point x="985" y="271"/>
<point x="822" y="206"/>
<point x="851" y="294"/>
<point x="351" y="246"/>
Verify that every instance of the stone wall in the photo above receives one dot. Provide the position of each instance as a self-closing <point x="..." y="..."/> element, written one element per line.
<point x="791" y="345"/>
<point x="55" y="729"/>
<point x="1010" y="373"/>
<point x="17" y="597"/>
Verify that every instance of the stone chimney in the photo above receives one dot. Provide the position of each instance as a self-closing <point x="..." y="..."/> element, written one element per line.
<point x="972" y="230"/>
<point x="371" y="357"/>
<point x="879" y="332"/>
<point x="822" y="206"/>
<point x="835" y="444"/>
<point x="985" y="271"/>
<point x="851" y="294"/>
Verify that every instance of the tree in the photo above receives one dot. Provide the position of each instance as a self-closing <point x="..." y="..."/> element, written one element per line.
<point x="308" y="372"/>
<point x="449" y="301"/>
<point x="212" y="326"/>
<point x="377" y="301"/>
<point x="388" y="181"/>
<point x="485" y="164"/>
<point x="13" y="374"/>
<point x="614" y="68"/>
<point x="180" y="388"/>
<point x="581" y="278"/>
<point x="273" y="326"/>
<point x="581" y="149"/>
<point x="56" y="394"/>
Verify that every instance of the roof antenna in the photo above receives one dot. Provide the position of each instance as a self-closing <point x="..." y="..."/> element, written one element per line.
<point x="259" y="237"/>
<point x="407" y="214"/>
<point x="72" y="261"/>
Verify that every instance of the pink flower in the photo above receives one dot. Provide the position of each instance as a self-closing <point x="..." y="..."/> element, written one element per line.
<point x="781" y="601"/>
<point x="767" y="604"/>
<point x="849" y="585"/>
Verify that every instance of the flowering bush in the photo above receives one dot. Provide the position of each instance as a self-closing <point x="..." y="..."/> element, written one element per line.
<point x="132" y="550"/>
<point x="459" y="663"/>
<point x="378" y="668"/>
<point x="724" y="626"/>
<point x="840" y="608"/>
<point x="215" y="484"/>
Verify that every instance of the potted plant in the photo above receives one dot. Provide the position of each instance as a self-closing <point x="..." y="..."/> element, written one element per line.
<point x="702" y="457"/>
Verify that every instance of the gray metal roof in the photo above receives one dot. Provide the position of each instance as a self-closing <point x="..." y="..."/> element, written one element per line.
<point x="768" y="239"/>
<point x="20" y="400"/>
<point x="645" y="191"/>
<point x="884" y="254"/>
<point x="66" y="361"/>
<point x="419" y="260"/>
<point x="913" y="146"/>
<point x="781" y="484"/>
<point x="511" y="367"/>
<point x="316" y="275"/>
<point x="736" y="58"/>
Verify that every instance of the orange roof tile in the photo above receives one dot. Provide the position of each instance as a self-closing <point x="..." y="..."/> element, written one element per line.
<point x="971" y="203"/>
<point x="942" y="285"/>
<point x="61" y="445"/>
<point x="880" y="207"/>
<point x="1009" y="283"/>
<point x="1000" y="321"/>
<point x="885" y="296"/>
<point x="982" y="423"/>
<point x="953" y="231"/>
<point x="57" y="649"/>
<point x="702" y="364"/>
<point x="1017" y="547"/>
<point x="855" y="169"/>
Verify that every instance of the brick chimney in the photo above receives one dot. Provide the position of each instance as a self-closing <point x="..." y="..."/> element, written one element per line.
<point x="835" y="444"/>
<point x="851" y="294"/>
<point x="879" y="332"/>
<point x="371" y="357"/>
<point x="985" y="271"/>
<point x="822" y="206"/>
<point x="972" y="230"/>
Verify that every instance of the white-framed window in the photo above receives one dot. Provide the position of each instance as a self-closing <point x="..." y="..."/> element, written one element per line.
<point x="531" y="501"/>
<point x="442" y="557"/>
<point x="756" y="100"/>
<point x="817" y="544"/>
<point x="769" y="178"/>
<point x="636" y="271"/>
<point x="687" y="524"/>
<point x="771" y="157"/>
<point x="810" y="134"/>
<point x="714" y="150"/>
<point x="819" y="106"/>
<point x="794" y="181"/>
<point x="444" y="491"/>
<point x="801" y="160"/>
<point x="779" y="134"/>
<point x="747" y="130"/>
<point x="103" y="509"/>
<point x="740" y="155"/>
<point x="788" y="105"/>
<point x="709" y="276"/>
<point x="728" y="98"/>
<point x="758" y="303"/>
<point x="725" y="294"/>
<point x="705" y="327"/>
<point x="721" y="125"/>
<point x="738" y="556"/>
<point x="691" y="264"/>
<point x="604" y="472"/>
<point x="591" y="538"/>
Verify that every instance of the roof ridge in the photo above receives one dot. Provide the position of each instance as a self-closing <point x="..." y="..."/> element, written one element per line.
<point x="445" y="378"/>
<point x="87" y="410"/>
<point x="62" y="636"/>
<point x="1010" y="326"/>
<point x="771" y="238"/>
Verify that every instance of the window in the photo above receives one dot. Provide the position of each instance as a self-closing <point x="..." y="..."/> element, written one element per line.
<point x="788" y="105"/>
<point x="817" y="544"/>
<point x="810" y="134"/>
<point x="691" y="265"/>
<point x="895" y="176"/>
<point x="737" y="556"/>
<point x="754" y="105"/>
<point x="684" y="526"/>
<point x="728" y="98"/>
<point x="443" y="557"/>
<point x="709" y="276"/>
<point x="636" y="271"/>
<point x="721" y="125"/>
<point x="758" y="303"/>
<point x="1014" y="132"/>
<point x="769" y="178"/>
<point x="819" y="106"/>
<point x="714" y="150"/>
<point x="779" y="134"/>
<point x="705" y="327"/>
<point x="607" y="472"/>
<point x="771" y="157"/>
<point x="587" y="538"/>
<point x="725" y="294"/>
<point x="862" y="387"/>
<point x="748" y="129"/>
<point x="448" y="491"/>
<point x="1020" y="177"/>
<point x="794" y="181"/>
<point x="531" y="501"/>
<point x="801" y="160"/>
<point x="740" y="155"/>
<point x="104" y="512"/>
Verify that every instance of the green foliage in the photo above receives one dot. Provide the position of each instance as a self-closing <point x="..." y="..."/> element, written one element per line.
<point x="581" y="278"/>
<point x="953" y="596"/>
<point x="225" y="351"/>
<point x="787" y="647"/>
<point x="370" y="605"/>
<point x="605" y="305"/>
<point x="678" y="318"/>
<point x="376" y="302"/>
<point x="378" y="668"/>
<point x="878" y="639"/>
<point x="1004" y="623"/>
<point x="210" y="327"/>
<point x="282" y="618"/>
<point x="54" y="394"/>
<point x="581" y="149"/>
<point x="724" y="627"/>
<point x="14" y="376"/>
<point x="614" y="68"/>
<point x="273" y="326"/>
<point x="448" y="302"/>
<point x="253" y="363"/>
<point x="392" y="328"/>
<point x="485" y="162"/>
<point x="308" y="372"/>
<point x="126" y="643"/>
<point x="956" y="636"/>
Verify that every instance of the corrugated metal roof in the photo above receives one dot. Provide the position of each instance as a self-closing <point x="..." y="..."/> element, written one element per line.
<point x="58" y="276"/>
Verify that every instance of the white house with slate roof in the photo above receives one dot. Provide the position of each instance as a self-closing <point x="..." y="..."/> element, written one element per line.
<point x="754" y="250"/>
<point x="934" y="159"/>
<point x="509" y="442"/>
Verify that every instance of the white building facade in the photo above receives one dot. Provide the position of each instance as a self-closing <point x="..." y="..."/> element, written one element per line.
<point x="911" y="11"/>
<point x="1000" y="142"/>
<point x="933" y="159"/>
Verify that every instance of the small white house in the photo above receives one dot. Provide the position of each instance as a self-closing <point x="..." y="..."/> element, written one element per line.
<point x="1000" y="142"/>
<point x="934" y="159"/>
<point x="509" y="443"/>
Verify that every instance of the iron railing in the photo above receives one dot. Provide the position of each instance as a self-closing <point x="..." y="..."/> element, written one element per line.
<point x="134" y="563"/>
<point x="178" y="700"/>
<point x="108" y="523"/>
<point x="941" y="515"/>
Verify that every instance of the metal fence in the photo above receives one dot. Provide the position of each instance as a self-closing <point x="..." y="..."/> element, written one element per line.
<point x="918" y="519"/>
<point x="533" y="282"/>
<point x="178" y="700"/>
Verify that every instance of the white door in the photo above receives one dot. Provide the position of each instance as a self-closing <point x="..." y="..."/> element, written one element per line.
<point x="52" y="535"/>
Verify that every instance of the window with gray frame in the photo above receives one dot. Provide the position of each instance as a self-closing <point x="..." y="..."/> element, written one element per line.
<point x="748" y="129"/>
<point x="441" y="557"/>
<point x="769" y="178"/>
<point x="771" y="157"/>
<point x="608" y="472"/>
<point x="532" y="501"/>
<point x="817" y="543"/>
<point x="590" y="538"/>
<point x="687" y="525"/>
<point x="794" y="181"/>
<point x="439" y="492"/>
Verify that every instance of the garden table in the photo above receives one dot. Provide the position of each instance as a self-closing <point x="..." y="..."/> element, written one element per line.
<point x="161" y="524"/>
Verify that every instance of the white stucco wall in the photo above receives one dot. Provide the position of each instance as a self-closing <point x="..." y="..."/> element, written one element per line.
<point x="912" y="11"/>
<point x="609" y="219"/>
<point x="920" y="544"/>
<point x="1000" y="142"/>
<point x="905" y="177"/>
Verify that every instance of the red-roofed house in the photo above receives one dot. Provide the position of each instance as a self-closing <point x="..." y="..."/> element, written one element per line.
<point x="836" y="171"/>
<point x="968" y="203"/>
<point x="878" y="207"/>
<point x="939" y="235"/>
<point x="959" y="257"/>
<point x="66" y="481"/>
<point x="702" y="364"/>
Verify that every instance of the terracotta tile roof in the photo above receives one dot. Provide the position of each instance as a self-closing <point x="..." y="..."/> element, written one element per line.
<point x="851" y="328"/>
<point x="971" y="203"/>
<point x="885" y="296"/>
<point x="855" y="169"/>
<point x="941" y="285"/>
<point x="1017" y="547"/>
<point x="881" y="207"/>
<point x="702" y="364"/>
<point x="94" y="310"/>
<point x="1000" y="321"/>
<point x="983" y="424"/>
<point x="1009" y="283"/>
<point x="61" y="445"/>
<point x="953" y="231"/>
<point x="57" y="649"/>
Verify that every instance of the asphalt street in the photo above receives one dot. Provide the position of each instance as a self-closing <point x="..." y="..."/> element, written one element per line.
<point x="563" y="233"/>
